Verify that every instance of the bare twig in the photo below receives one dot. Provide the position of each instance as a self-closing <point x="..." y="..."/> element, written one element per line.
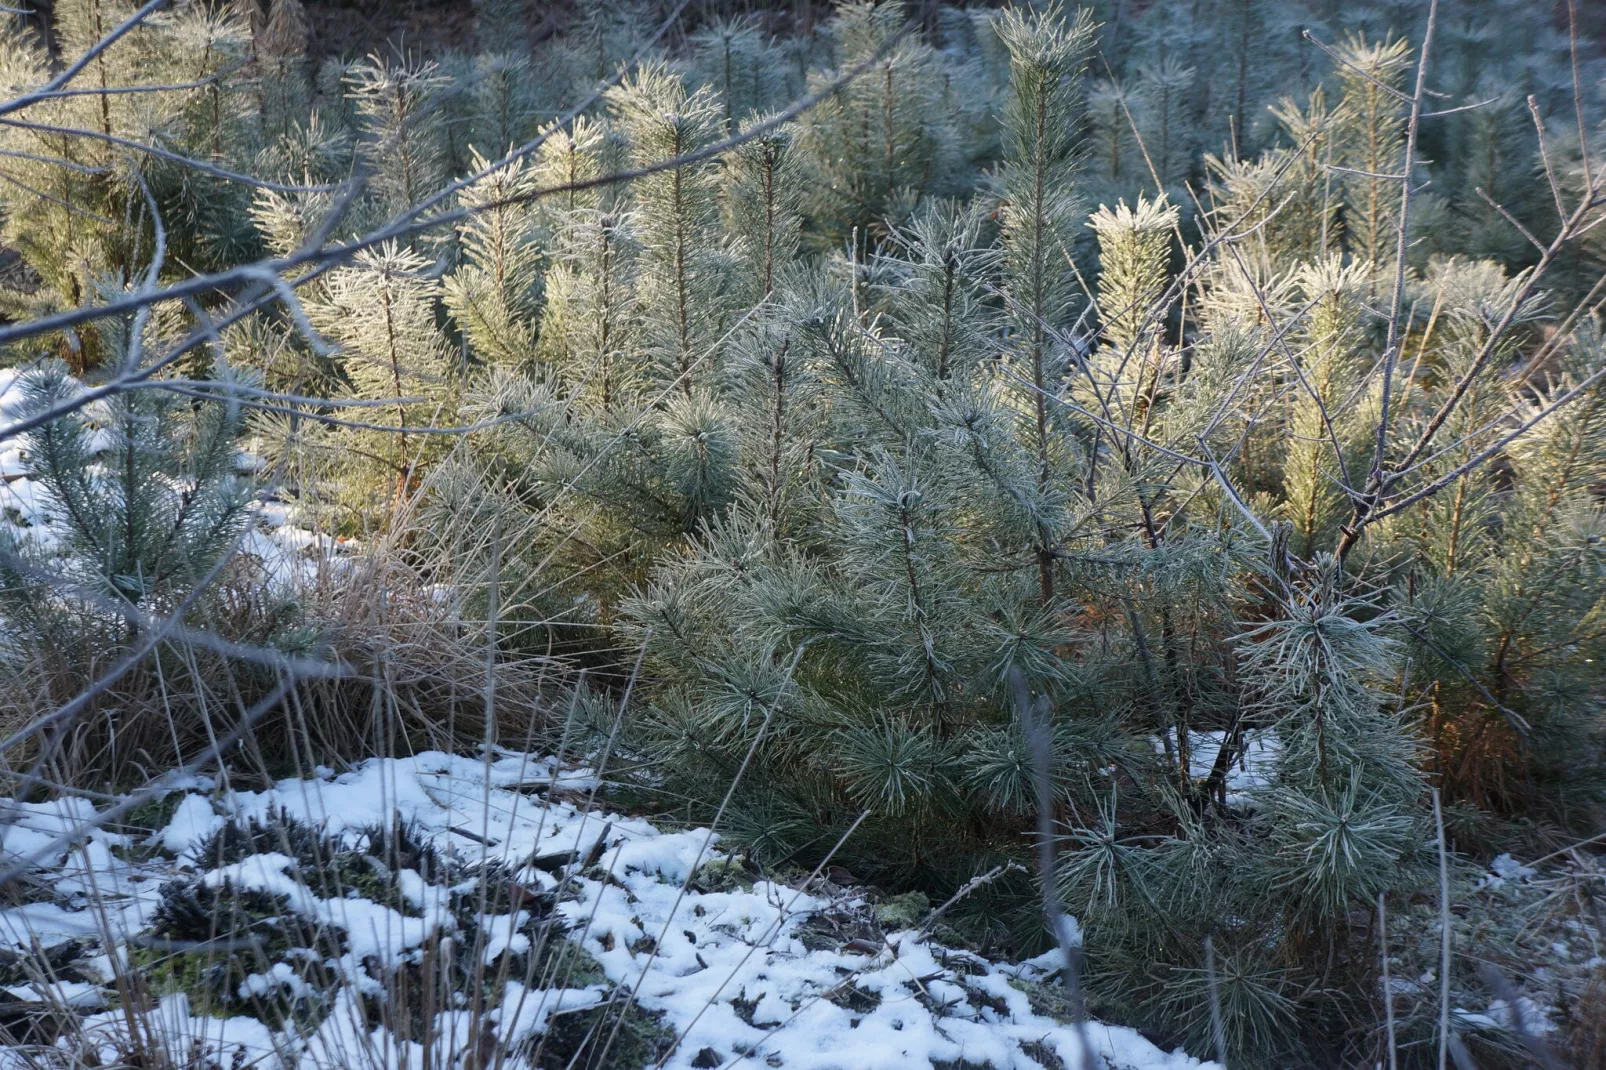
<point x="127" y="90"/>
<point x="1388" y="987"/>
<point x="1518" y="722"/>
<point x="167" y="154"/>
<point x="1034" y="720"/>
<point x="1492" y="451"/>
<point x="1578" y="91"/>
<point x="53" y="199"/>
<point x="1368" y="508"/>
<point x="1456" y="111"/>
<point x="1338" y="57"/>
<point x="1444" y="935"/>
<point x="1509" y="218"/>
<point x="1544" y="158"/>
<point x="54" y="161"/>
<point x="1232" y="495"/>
<point x="1391" y="348"/>
<point x="76" y="68"/>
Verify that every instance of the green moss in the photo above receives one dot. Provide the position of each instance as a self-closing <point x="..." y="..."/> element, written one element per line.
<point x="208" y="940"/>
<point x="572" y="966"/>
<point x="1046" y="999"/>
<point x="150" y="816"/>
<point x="726" y="873"/>
<point x="579" y="1039"/>
<point x="167" y="973"/>
<point x="902" y="911"/>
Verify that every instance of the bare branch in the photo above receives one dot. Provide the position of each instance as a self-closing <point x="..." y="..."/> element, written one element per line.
<point x="1338" y="57"/>
<point x="168" y="155"/>
<point x="77" y="66"/>
<point x="124" y="90"/>
<point x="1462" y="108"/>
<point x="1232" y="495"/>
<point x="1544" y="156"/>
<point x="1492" y="451"/>
<point x="53" y="199"/>
<point x="1034" y="718"/>
<point x="55" y="161"/>
<point x="1524" y="292"/>
<point x="1578" y="91"/>
<point x="1365" y="174"/>
<point x="1509" y="218"/>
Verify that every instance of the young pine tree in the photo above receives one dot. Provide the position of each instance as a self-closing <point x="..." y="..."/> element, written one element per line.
<point x="494" y="295"/>
<point x="1041" y="157"/>
<point x="886" y="141"/>
<point x="380" y="312"/>
<point x="684" y="269"/>
<point x="402" y="127"/>
<point x="143" y="496"/>
<point x="1369" y="141"/>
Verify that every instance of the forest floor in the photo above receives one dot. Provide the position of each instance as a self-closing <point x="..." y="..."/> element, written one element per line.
<point x="727" y="967"/>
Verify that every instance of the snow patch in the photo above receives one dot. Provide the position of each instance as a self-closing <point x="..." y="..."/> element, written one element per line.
<point x="735" y="971"/>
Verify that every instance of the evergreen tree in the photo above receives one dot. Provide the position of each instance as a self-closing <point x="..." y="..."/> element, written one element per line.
<point x="736" y="59"/>
<point x="380" y="311"/>
<point x="1164" y="88"/>
<point x="494" y="295"/>
<point x="762" y="199"/>
<point x="1370" y="142"/>
<point x="141" y="499"/>
<point x="938" y="295"/>
<point x="1041" y="158"/>
<point x="1322" y="457"/>
<point x="1134" y="247"/>
<point x="886" y="141"/>
<point x="402" y="128"/>
<point x="683" y="267"/>
<point x="590" y="321"/>
<point x="279" y="47"/>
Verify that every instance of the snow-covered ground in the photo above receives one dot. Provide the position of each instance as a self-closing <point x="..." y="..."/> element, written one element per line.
<point x="740" y="972"/>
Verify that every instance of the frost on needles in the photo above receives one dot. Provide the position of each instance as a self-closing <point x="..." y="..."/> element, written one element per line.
<point x="1072" y="344"/>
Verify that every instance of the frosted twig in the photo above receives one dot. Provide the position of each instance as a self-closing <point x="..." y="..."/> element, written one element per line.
<point x="1388" y="987"/>
<point x="1034" y="720"/>
<point x="77" y="66"/>
<point x="1444" y="934"/>
<point x="166" y="154"/>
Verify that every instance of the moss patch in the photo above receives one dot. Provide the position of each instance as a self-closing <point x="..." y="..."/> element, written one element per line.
<point x="638" y="1039"/>
<point x="902" y="911"/>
